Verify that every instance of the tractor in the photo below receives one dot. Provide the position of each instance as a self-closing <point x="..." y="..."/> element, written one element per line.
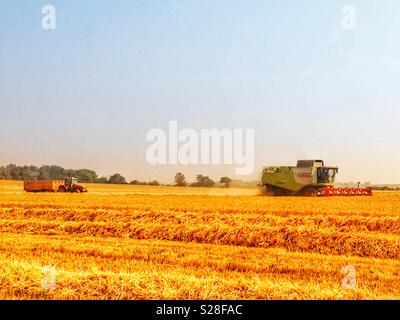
<point x="71" y="185"/>
<point x="308" y="178"/>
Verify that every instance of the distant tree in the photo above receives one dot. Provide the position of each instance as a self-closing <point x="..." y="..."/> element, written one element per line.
<point x="203" y="181"/>
<point x="12" y="171"/>
<point x="154" y="183"/>
<point x="32" y="173"/>
<point x="53" y="172"/>
<point x="180" y="180"/>
<point x="117" y="179"/>
<point x="101" y="180"/>
<point x="47" y="172"/>
<point x="57" y="172"/>
<point x="15" y="172"/>
<point x="207" y="182"/>
<point x="135" y="182"/>
<point x="86" y="175"/>
<point x="4" y="173"/>
<point x="226" y="181"/>
<point x="70" y="173"/>
<point x="199" y="177"/>
<point x="44" y="173"/>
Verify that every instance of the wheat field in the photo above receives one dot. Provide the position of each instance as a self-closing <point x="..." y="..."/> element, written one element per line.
<point x="146" y="242"/>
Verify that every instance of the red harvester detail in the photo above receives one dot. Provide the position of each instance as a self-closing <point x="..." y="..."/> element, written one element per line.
<point x="332" y="192"/>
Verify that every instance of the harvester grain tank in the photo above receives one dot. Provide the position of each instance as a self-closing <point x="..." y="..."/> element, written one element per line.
<point x="67" y="185"/>
<point x="308" y="178"/>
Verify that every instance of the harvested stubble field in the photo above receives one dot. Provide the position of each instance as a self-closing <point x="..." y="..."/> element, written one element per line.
<point x="143" y="242"/>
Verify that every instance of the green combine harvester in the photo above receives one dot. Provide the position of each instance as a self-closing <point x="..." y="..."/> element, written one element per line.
<point x="308" y="178"/>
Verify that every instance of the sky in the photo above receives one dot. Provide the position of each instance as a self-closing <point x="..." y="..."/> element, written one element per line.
<point x="85" y="94"/>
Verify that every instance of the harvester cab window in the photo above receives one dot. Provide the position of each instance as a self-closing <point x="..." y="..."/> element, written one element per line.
<point x="326" y="175"/>
<point x="331" y="175"/>
<point x="320" y="175"/>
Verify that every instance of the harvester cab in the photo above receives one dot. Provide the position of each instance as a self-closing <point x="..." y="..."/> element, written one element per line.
<point x="326" y="175"/>
<point x="308" y="178"/>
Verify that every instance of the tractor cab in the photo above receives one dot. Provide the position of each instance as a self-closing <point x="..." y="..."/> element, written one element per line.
<point x="70" y="182"/>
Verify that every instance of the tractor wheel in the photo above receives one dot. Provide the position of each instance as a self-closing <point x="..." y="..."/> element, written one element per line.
<point x="62" y="189"/>
<point x="78" y="188"/>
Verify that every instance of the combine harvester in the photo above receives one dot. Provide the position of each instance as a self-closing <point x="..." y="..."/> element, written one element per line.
<point x="309" y="178"/>
<point x="67" y="185"/>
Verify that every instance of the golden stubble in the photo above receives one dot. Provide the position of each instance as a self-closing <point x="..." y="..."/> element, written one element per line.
<point x="145" y="242"/>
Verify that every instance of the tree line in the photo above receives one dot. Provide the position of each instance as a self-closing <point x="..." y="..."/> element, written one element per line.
<point x="31" y="173"/>
<point x="201" y="181"/>
<point x="53" y="172"/>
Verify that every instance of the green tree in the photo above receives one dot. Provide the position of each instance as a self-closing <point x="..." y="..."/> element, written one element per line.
<point x="203" y="181"/>
<point x="101" y="180"/>
<point x="12" y="171"/>
<point x="180" y="180"/>
<point x="86" y="175"/>
<point x="31" y="173"/>
<point x="44" y="173"/>
<point x="4" y="174"/>
<point x="226" y="181"/>
<point x="117" y="179"/>
<point x="57" y="172"/>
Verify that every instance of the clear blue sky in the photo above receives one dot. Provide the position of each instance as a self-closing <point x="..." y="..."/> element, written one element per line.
<point x="85" y="94"/>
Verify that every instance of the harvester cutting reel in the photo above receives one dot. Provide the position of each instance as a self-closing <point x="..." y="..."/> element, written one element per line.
<point x="332" y="192"/>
